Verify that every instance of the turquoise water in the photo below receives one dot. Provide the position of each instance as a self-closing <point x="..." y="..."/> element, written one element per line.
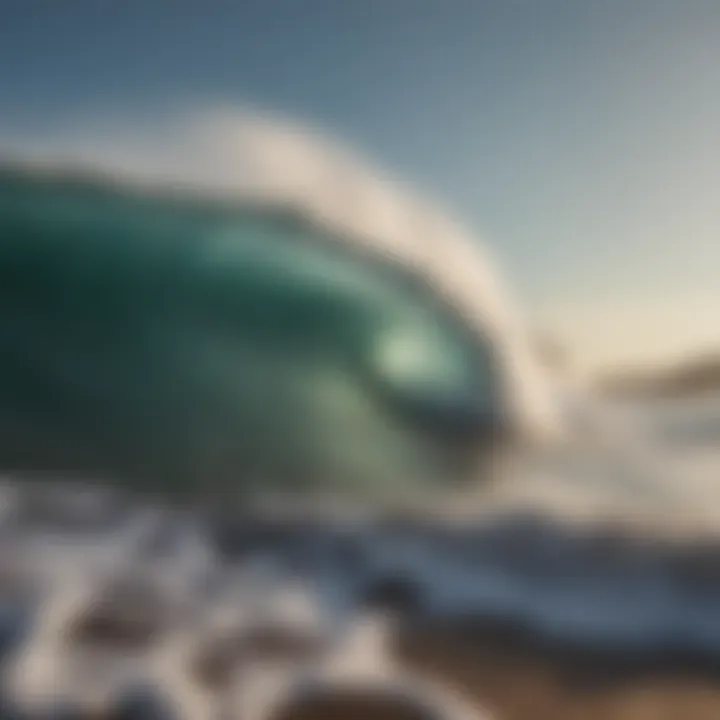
<point x="190" y="344"/>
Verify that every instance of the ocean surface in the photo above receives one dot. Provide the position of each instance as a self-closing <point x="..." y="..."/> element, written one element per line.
<point x="146" y="350"/>
<point x="575" y="553"/>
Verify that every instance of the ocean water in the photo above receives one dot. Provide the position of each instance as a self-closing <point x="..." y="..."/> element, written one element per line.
<point x="574" y="556"/>
<point x="152" y="347"/>
<point x="202" y="346"/>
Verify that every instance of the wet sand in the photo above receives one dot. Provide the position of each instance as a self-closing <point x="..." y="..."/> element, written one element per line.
<point x="511" y="680"/>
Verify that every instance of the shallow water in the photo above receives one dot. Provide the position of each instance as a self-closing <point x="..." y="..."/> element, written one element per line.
<point x="609" y="573"/>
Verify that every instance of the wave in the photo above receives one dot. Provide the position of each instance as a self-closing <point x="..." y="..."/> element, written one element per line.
<point x="228" y="302"/>
<point x="207" y="345"/>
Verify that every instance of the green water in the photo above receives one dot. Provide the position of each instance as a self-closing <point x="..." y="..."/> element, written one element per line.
<point x="186" y="344"/>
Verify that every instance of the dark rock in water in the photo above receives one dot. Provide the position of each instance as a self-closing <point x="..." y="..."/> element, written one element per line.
<point x="124" y="616"/>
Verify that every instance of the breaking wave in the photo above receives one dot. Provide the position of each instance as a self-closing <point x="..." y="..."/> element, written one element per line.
<point x="227" y="301"/>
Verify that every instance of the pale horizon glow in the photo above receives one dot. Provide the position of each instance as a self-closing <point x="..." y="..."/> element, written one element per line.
<point x="602" y="336"/>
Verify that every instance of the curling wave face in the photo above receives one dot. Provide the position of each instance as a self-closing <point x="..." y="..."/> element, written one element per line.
<point x="194" y="344"/>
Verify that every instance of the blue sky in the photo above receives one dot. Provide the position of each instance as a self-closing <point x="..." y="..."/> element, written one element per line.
<point x="579" y="136"/>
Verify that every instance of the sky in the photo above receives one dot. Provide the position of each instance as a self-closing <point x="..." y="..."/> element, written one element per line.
<point x="579" y="138"/>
